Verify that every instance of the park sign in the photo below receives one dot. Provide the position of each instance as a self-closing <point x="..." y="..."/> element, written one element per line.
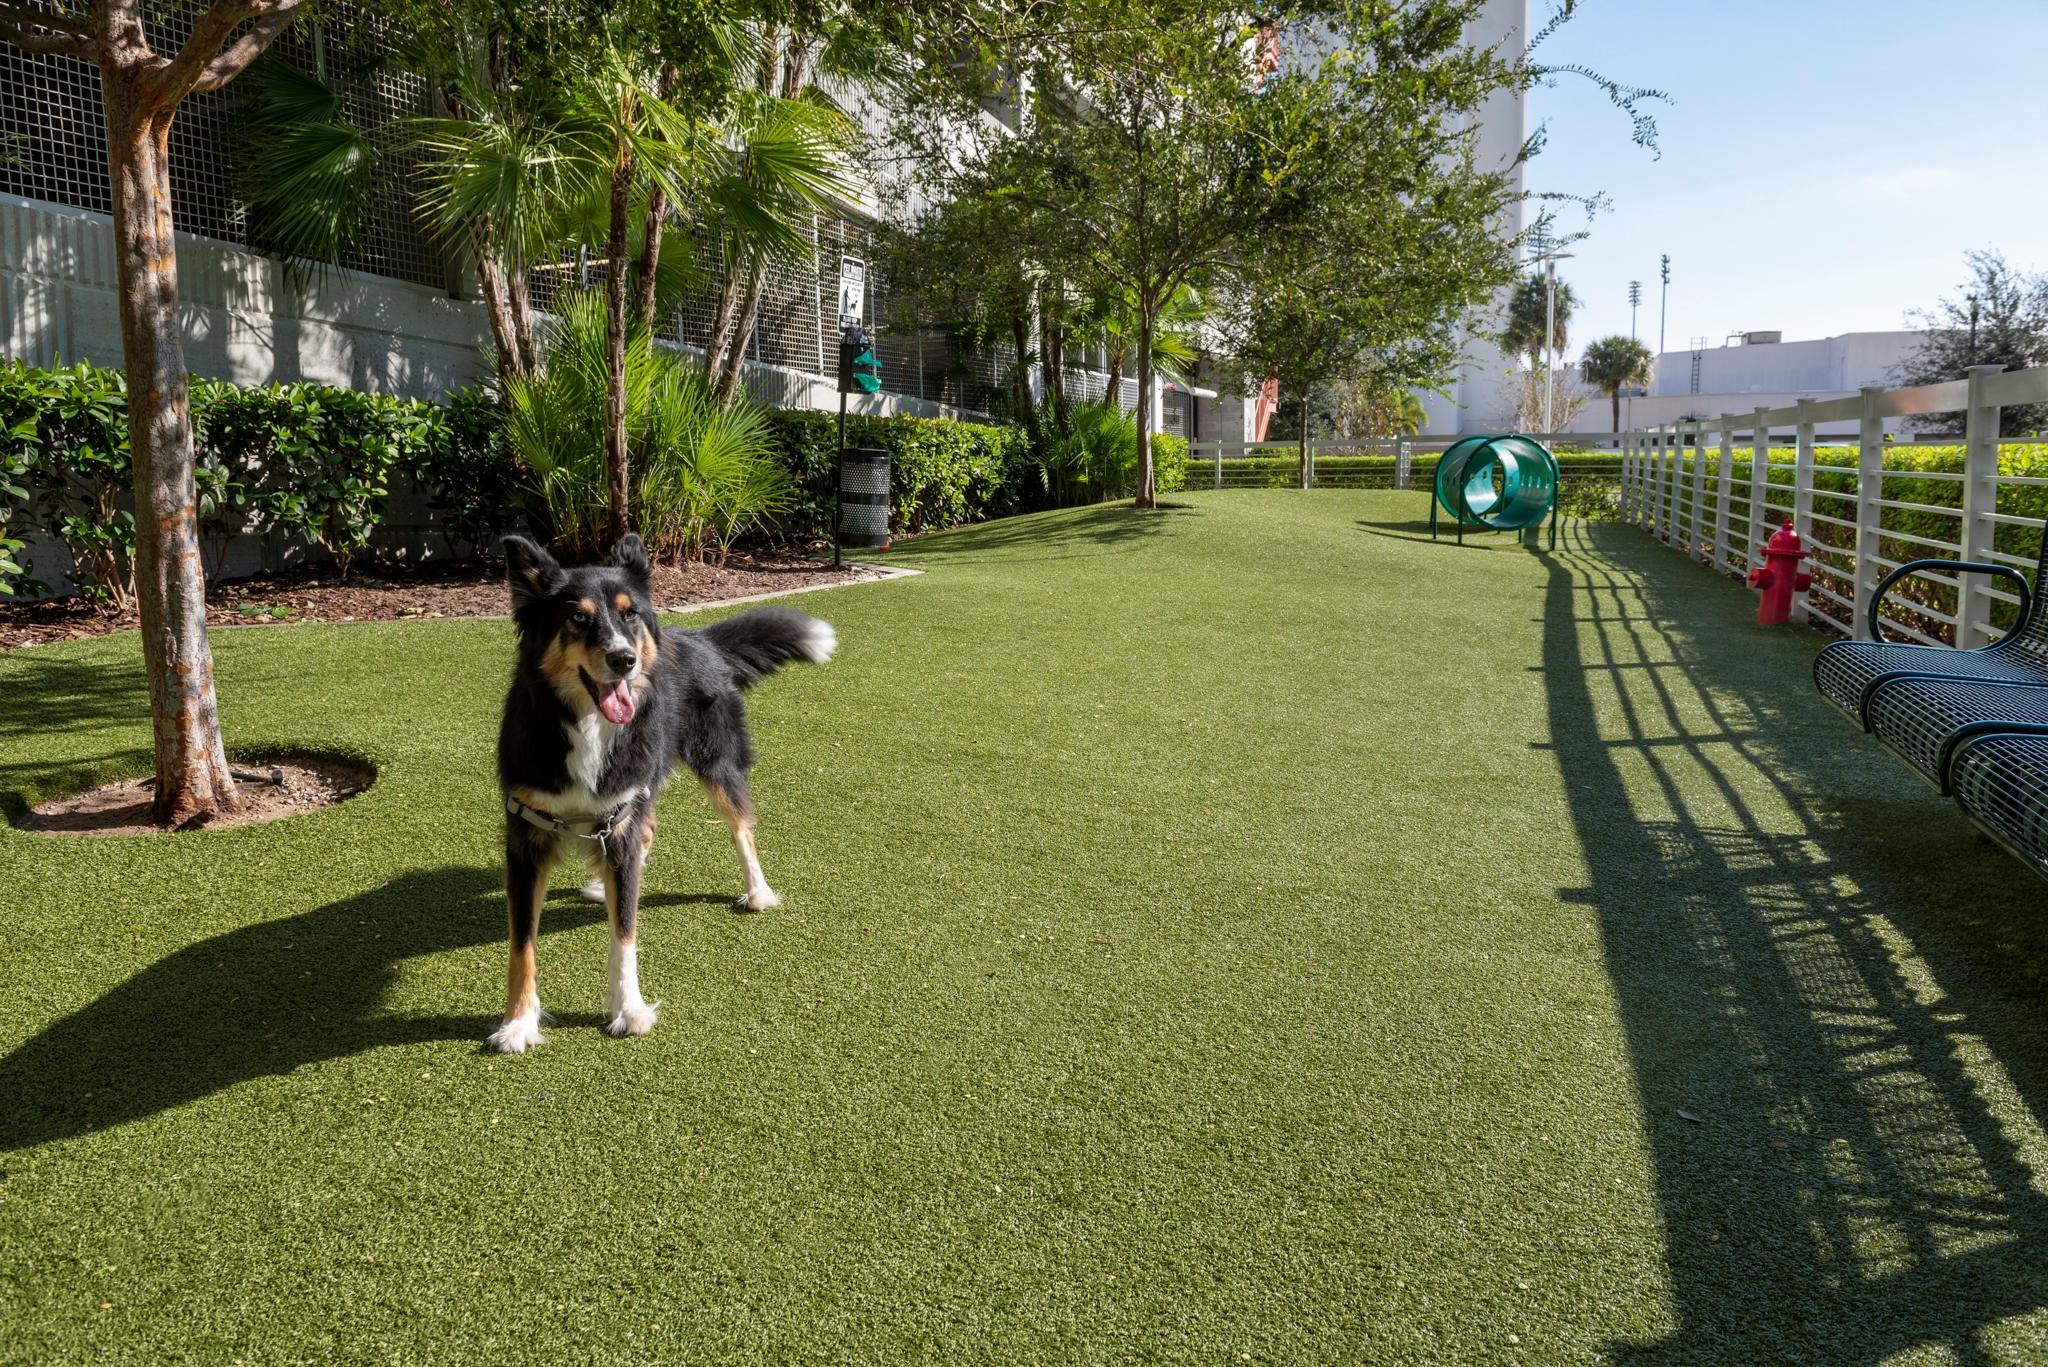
<point x="853" y="289"/>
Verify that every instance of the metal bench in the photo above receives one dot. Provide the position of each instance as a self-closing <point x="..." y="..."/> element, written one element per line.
<point x="1848" y="673"/>
<point x="2001" y="781"/>
<point x="1925" y="720"/>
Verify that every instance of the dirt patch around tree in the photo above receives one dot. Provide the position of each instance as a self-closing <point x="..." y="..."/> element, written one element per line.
<point x="388" y="593"/>
<point x="270" y="790"/>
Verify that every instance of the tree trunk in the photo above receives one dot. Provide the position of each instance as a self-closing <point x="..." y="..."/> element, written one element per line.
<point x="521" y="300"/>
<point x="1302" y="427"/>
<point x="650" y="236"/>
<point x="490" y="275"/>
<point x="617" y="465"/>
<point x="192" y="780"/>
<point x="1615" y="395"/>
<point x="1144" y="496"/>
<point x="726" y="381"/>
<point x="1053" y="348"/>
<point x="1020" y="382"/>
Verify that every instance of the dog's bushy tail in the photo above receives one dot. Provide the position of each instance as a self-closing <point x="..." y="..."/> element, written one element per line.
<point x="758" y="641"/>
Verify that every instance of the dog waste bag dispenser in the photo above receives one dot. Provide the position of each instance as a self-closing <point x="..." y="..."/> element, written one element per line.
<point x="864" y="498"/>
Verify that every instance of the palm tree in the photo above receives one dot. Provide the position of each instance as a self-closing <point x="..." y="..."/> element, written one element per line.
<point x="1614" y="363"/>
<point x="1528" y="306"/>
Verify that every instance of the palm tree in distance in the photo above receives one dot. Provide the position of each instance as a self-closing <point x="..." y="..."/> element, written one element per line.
<point x="1527" y="308"/>
<point x="1613" y="364"/>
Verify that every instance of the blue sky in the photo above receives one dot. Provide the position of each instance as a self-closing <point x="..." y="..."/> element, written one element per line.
<point x="1825" y="163"/>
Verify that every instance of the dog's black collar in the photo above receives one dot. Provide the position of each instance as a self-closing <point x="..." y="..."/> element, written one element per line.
<point x="600" y="827"/>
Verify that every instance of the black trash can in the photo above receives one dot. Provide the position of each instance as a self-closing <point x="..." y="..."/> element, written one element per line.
<point x="864" y="499"/>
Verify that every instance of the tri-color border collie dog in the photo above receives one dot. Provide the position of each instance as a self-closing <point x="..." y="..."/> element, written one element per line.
<point x="603" y="705"/>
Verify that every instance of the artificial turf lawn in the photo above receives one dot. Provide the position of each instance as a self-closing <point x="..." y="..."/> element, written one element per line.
<point x="1245" y="931"/>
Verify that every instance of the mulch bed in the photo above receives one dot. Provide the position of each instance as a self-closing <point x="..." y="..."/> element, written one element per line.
<point x="269" y="790"/>
<point x="385" y="593"/>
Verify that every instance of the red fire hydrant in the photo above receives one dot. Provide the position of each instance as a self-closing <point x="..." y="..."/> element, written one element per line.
<point x="1780" y="577"/>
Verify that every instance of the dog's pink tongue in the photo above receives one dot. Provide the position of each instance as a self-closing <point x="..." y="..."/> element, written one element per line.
<point x="616" y="702"/>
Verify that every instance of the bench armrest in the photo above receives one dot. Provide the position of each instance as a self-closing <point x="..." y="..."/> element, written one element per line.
<point x="1914" y="566"/>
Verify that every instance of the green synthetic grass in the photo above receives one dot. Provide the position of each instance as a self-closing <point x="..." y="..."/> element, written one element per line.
<point x="1241" y="932"/>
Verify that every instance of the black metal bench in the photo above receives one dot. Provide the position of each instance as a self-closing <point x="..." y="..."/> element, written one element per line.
<point x="2002" y="782"/>
<point x="1849" y="672"/>
<point x="1973" y="723"/>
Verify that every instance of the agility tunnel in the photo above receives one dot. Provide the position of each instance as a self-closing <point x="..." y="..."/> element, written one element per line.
<point x="1503" y="484"/>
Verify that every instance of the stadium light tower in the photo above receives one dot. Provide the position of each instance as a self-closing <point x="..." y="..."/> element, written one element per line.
<point x="1663" y="299"/>
<point x="1635" y="297"/>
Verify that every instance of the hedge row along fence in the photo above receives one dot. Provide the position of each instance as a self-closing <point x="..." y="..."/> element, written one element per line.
<point x="1903" y="533"/>
<point x="1591" y="480"/>
<point x="305" y="465"/>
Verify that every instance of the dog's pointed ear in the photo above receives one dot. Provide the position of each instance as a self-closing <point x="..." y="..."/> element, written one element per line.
<point x="630" y="555"/>
<point x="533" y="574"/>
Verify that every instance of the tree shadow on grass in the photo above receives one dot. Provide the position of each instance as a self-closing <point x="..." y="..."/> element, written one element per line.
<point x="49" y="697"/>
<point x="1068" y="534"/>
<point x="1835" y="981"/>
<point x="258" y="1001"/>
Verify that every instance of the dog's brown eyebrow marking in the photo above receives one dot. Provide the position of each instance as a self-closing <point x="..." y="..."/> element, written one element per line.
<point x="585" y="605"/>
<point x="622" y="601"/>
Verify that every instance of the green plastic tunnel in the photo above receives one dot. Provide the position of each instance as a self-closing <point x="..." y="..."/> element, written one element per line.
<point x="1502" y="483"/>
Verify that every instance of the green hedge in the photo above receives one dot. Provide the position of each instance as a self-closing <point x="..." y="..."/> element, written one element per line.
<point x="1835" y="474"/>
<point x="941" y="473"/>
<point x="304" y="460"/>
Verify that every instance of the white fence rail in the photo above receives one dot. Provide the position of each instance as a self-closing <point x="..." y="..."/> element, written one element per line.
<point x="1680" y="489"/>
<point x="1388" y="462"/>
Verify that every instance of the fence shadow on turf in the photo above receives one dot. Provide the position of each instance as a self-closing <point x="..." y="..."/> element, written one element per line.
<point x="260" y="1000"/>
<point x="1830" y="984"/>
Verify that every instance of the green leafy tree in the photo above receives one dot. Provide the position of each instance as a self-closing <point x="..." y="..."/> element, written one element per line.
<point x="142" y="89"/>
<point x="1999" y="317"/>
<point x="1613" y="364"/>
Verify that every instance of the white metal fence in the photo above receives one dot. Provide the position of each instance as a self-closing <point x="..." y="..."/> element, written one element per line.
<point x="1721" y="510"/>
<point x="1388" y="462"/>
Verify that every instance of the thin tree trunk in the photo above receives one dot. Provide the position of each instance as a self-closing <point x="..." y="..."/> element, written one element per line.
<point x="1145" y="496"/>
<point x="650" y="236"/>
<point x="192" y="780"/>
<point x="521" y="299"/>
<point x="724" y="317"/>
<point x="1020" y="336"/>
<point x="490" y="274"/>
<point x="1054" y="349"/>
<point x="1615" y="396"/>
<point x="1303" y="432"/>
<point x="616" y="461"/>
<point x="1113" y="391"/>
<point x="727" y="380"/>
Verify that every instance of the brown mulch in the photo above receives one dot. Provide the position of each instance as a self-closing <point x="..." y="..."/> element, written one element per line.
<point x="385" y="593"/>
<point x="269" y="789"/>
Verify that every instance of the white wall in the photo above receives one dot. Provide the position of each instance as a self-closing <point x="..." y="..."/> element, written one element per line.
<point x="1835" y="365"/>
<point x="1477" y="396"/>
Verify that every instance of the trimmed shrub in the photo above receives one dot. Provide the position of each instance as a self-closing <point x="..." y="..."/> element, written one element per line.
<point x="941" y="472"/>
<point x="309" y="461"/>
<point x="1169" y="463"/>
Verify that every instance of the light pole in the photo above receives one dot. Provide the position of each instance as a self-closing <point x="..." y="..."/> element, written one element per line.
<point x="1663" y="298"/>
<point x="1635" y="297"/>
<point x="1550" y="258"/>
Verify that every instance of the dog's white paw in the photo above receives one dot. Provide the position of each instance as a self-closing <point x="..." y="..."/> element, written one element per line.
<point x="517" y="1035"/>
<point x="760" y="899"/>
<point x="633" y="1020"/>
<point x="593" y="891"/>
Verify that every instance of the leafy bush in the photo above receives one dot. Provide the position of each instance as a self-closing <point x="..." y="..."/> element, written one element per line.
<point x="67" y="438"/>
<point x="697" y="471"/>
<point x="307" y="460"/>
<point x="941" y="472"/>
<point x="1169" y="463"/>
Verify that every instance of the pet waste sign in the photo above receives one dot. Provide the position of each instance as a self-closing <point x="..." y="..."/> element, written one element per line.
<point x="853" y="289"/>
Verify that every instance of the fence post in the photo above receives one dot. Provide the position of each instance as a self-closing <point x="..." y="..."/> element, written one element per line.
<point x="1671" y="498"/>
<point x="1628" y="507"/>
<point x="1980" y="500"/>
<point x="1802" y="497"/>
<point x="1724" y="492"/>
<point x="1869" y="489"/>
<point x="1219" y="464"/>
<point x="1699" y="491"/>
<point x="1759" y="489"/>
<point x="1401" y="458"/>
